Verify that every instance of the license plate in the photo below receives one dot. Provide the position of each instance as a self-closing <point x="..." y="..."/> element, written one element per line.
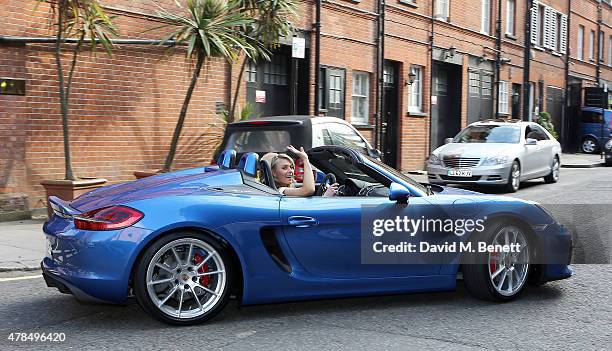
<point x="460" y="172"/>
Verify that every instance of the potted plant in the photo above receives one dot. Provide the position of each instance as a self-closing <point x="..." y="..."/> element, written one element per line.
<point x="87" y="22"/>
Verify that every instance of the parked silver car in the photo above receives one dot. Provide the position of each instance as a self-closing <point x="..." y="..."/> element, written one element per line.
<point x="497" y="153"/>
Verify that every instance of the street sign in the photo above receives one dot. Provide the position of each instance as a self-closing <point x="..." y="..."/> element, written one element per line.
<point x="298" y="47"/>
<point x="260" y="96"/>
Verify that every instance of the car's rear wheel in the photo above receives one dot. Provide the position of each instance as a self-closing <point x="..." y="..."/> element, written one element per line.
<point x="553" y="176"/>
<point x="589" y="145"/>
<point x="183" y="279"/>
<point x="514" y="178"/>
<point x="498" y="275"/>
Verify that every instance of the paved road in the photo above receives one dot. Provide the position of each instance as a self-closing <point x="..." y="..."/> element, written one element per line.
<point x="569" y="314"/>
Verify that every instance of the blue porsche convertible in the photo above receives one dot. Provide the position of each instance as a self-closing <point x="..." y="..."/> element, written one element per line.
<point x="184" y="243"/>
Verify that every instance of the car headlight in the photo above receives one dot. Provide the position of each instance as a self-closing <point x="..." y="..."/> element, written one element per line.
<point x="609" y="144"/>
<point x="495" y="160"/>
<point x="434" y="160"/>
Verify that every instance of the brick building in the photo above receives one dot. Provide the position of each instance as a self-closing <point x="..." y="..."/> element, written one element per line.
<point x="439" y="66"/>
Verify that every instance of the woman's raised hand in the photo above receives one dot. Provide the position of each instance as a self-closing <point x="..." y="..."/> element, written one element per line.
<point x="300" y="153"/>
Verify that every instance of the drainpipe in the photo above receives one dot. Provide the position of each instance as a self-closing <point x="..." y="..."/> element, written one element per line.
<point x="599" y="44"/>
<point x="377" y="80"/>
<point x="526" y="60"/>
<point x="317" y="57"/>
<point x="498" y="62"/>
<point x="381" y="75"/>
<point x="431" y="65"/>
<point x="564" y="130"/>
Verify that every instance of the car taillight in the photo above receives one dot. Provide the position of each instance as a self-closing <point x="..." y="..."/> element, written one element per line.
<point x="213" y="162"/>
<point x="108" y="218"/>
<point x="299" y="170"/>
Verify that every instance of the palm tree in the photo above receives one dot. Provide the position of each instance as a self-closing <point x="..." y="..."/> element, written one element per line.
<point x="272" y="20"/>
<point x="85" y="20"/>
<point x="210" y="28"/>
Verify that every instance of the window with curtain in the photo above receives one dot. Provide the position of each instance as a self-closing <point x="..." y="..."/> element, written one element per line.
<point x="510" y="13"/>
<point x="360" y="97"/>
<point x="503" y="98"/>
<point x="415" y="99"/>
<point x="485" y="18"/>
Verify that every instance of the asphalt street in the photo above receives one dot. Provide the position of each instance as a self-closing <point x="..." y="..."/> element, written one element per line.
<point x="569" y="314"/>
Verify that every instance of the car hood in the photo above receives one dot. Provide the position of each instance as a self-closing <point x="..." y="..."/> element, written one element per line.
<point x="474" y="149"/>
<point x="169" y="184"/>
<point x="446" y="190"/>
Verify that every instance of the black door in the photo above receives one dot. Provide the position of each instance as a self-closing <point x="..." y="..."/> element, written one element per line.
<point x="572" y="118"/>
<point x="554" y="106"/>
<point x="480" y="95"/>
<point x="278" y="87"/>
<point x="389" y="127"/>
<point x="445" y="104"/>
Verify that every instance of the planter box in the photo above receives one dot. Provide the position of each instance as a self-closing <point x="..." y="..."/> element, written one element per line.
<point x="70" y="189"/>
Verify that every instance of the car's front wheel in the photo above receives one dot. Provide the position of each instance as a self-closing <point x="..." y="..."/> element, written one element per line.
<point x="514" y="178"/>
<point x="553" y="176"/>
<point x="497" y="275"/>
<point x="183" y="279"/>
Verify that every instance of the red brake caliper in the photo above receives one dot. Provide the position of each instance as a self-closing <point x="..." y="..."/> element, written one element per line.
<point x="492" y="262"/>
<point x="205" y="280"/>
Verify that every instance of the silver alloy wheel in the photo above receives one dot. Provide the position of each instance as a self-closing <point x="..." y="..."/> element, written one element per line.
<point x="186" y="278"/>
<point x="515" y="174"/>
<point x="508" y="270"/>
<point x="588" y="146"/>
<point x="555" y="169"/>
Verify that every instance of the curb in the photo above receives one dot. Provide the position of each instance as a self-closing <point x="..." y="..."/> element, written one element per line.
<point x="20" y="267"/>
<point x="586" y="165"/>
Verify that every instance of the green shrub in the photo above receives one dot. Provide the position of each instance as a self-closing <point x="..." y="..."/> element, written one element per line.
<point x="545" y="121"/>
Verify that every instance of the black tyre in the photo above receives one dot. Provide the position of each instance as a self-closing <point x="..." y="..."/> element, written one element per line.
<point x="514" y="178"/>
<point x="553" y="176"/>
<point x="498" y="276"/>
<point x="183" y="278"/>
<point x="589" y="145"/>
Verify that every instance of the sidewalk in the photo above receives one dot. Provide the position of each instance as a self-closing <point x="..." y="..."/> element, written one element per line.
<point x="581" y="160"/>
<point x="22" y="245"/>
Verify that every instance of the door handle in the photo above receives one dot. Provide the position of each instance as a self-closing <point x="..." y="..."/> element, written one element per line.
<point x="302" y="221"/>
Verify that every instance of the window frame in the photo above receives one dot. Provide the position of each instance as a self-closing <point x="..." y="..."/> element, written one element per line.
<point x="418" y="83"/>
<point x="503" y="102"/>
<point x="580" y="42"/>
<point x="591" y="45"/>
<point x="485" y="13"/>
<point x="360" y="119"/>
<point x="511" y="17"/>
<point x="443" y="15"/>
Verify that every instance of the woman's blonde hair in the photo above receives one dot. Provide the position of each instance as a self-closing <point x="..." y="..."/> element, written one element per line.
<point x="273" y="158"/>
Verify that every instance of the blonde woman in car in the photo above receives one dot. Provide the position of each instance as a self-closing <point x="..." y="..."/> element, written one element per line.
<point x="283" y="171"/>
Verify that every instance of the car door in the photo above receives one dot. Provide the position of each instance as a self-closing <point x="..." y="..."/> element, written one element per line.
<point x="546" y="146"/>
<point x="325" y="236"/>
<point x="532" y="159"/>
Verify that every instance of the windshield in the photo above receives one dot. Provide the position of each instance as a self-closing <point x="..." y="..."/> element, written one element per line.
<point x="505" y="134"/>
<point x="397" y="174"/>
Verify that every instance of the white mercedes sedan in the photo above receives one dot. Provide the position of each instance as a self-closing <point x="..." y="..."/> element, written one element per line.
<point x="497" y="152"/>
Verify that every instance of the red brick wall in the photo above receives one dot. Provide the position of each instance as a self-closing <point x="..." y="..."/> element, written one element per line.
<point x="124" y="107"/>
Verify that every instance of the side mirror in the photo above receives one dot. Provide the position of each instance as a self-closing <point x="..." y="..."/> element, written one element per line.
<point x="375" y="153"/>
<point x="399" y="193"/>
<point x="531" y="141"/>
<point x="448" y="140"/>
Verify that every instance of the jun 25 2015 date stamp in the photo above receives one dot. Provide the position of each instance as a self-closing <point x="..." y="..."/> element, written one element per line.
<point x="36" y="337"/>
